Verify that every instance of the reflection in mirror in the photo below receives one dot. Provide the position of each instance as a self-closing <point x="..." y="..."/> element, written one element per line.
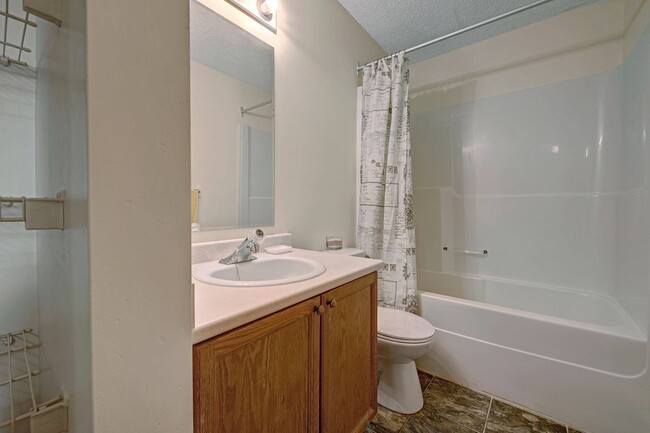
<point x="232" y="123"/>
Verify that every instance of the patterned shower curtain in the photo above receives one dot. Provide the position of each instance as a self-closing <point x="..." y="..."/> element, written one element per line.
<point x="386" y="228"/>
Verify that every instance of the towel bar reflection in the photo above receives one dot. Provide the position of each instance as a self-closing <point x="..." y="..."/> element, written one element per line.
<point x="243" y="110"/>
<point x="470" y="252"/>
<point x="36" y="213"/>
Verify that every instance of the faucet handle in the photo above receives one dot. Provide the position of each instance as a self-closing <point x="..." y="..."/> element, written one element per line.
<point x="259" y="235"/>
<point x="256" y="236"/>
<point x="254" y="240"/>
<point x="244" y="252"/>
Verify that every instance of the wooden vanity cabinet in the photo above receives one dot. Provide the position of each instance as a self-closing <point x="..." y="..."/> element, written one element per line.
<point x="349" y="356"/>
<point x="310" y="368"/>
<point x="261" y="377"/>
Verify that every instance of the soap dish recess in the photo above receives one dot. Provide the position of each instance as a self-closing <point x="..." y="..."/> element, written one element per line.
<point x="278" y="249"/>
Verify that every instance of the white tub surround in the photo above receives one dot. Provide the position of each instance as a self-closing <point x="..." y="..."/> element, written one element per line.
<point x="218" y="309"/>
<point x="535" y="149"/>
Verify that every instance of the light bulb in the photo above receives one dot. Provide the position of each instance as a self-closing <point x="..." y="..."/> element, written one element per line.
<point x="268" y="7"/>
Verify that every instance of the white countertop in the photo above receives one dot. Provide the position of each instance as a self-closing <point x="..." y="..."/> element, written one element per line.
<point x="218" y="309"/>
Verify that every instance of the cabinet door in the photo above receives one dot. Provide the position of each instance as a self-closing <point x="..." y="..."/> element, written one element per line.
<point x="349" y="356"/>
<point x="261" y="377"/>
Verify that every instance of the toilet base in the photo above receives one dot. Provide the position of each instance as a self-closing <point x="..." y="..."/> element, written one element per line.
<point x="399" y="387"/>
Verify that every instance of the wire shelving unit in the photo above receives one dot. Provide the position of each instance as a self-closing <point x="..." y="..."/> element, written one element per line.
<point x="18" y="357"/>
<point x="14" y="25"/>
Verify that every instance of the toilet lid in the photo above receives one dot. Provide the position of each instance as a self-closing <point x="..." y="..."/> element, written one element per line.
<point x="400" y="325"/>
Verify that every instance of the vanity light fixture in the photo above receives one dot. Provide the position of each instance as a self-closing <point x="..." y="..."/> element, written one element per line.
<point x="264" y="11"/>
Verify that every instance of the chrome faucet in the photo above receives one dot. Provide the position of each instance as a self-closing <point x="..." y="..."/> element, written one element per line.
<point x="244" y="252"/>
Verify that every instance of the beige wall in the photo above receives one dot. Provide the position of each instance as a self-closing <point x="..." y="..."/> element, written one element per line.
<point x="216" y="129"/>
<point x="139" y="214"/>
<point x="317" y="48"/>
<point x="139" y="179"/>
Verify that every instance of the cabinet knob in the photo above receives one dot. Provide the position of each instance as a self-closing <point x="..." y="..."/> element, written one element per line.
<point x="332" y="303"/>
<point x="319" y="310"/>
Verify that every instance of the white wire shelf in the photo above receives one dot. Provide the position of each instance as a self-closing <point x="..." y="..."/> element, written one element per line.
<point x="17" y="342"/>
<point x="16" y="29"/>
<point x="48" y="417"/>
<point x="36" y="213"/>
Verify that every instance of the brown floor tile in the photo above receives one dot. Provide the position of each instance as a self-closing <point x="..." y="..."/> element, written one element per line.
<point x="388" y="420"/>
<point x="425" y="379"/>
<point x="376" y="428"/>
<point x="504" y="418"/>
<point x="455" y="403"/>
<point x="432" y="423"/>
<point x="452" y="408"/>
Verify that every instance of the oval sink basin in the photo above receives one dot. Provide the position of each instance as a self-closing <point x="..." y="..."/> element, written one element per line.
<point x="267" y="270"/>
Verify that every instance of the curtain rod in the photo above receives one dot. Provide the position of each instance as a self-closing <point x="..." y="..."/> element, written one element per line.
<point x="463" y="30"/>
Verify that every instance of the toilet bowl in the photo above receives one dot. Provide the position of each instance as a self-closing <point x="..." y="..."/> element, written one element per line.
<point x="401" y="339"/>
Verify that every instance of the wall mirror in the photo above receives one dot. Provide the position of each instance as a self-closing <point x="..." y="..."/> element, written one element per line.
<point x="232" y="123"/>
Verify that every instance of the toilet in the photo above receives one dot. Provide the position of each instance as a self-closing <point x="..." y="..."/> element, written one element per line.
<point x="401" y="339"/>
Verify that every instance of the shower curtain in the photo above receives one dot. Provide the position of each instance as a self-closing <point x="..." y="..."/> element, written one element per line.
<point x="386" y="228"/>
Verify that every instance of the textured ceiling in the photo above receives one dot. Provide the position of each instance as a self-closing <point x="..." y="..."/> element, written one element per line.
<point x="400" y="24"/>
<point x="221" y="45"/>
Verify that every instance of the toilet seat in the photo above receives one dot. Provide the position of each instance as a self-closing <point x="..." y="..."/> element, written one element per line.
<point x="404" y="341"/>
<point x="403" y="327"/>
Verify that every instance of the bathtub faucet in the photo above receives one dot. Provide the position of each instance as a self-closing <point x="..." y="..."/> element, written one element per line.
<point x="244" y="252"/>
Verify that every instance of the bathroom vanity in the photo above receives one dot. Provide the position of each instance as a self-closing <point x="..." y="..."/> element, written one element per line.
<point x="291" y="358"/>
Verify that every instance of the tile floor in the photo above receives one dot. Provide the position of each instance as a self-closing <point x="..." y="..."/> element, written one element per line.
<point x="452" y="408"/>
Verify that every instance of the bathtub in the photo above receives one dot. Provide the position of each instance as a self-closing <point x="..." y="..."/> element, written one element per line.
<point x="571" y="356"/>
